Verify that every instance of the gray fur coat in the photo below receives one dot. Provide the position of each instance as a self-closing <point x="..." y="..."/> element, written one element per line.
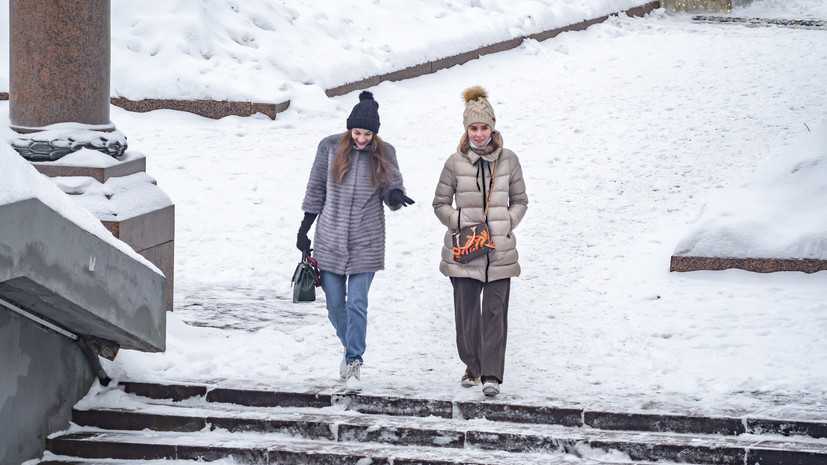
<point x="350" y="229"/>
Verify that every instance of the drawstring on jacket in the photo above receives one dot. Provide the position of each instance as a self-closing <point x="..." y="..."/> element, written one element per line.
<point x="481" y="174"/>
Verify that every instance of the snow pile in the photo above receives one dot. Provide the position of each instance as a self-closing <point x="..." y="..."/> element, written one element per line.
<point x="778" y="213"/>
<point x="261" y="51"/>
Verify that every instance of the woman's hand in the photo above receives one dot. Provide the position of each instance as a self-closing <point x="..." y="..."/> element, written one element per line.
<point x="396" y="197"/>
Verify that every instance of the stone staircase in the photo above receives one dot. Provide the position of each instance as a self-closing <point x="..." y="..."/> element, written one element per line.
<point x="182" y="424"/>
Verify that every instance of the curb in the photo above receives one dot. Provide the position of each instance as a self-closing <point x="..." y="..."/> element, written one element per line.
<point x="219" y="109"/>
<point x="797" y="23"/>
<point x="755" y="265"/>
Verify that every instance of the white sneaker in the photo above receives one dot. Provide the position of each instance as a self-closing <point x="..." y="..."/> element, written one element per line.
<point x="354" y="377"/>
<point x="343" y="366"/>
<point x="490" y="388"/>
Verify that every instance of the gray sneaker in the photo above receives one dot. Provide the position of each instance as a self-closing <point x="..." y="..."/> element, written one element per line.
<point x="490" y="388"/>
<point x="343" y="366"/>
<point x="354" y="377"/>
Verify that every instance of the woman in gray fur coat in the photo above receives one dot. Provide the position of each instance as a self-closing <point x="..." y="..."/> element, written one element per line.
<point x="353" y="174"/>
<point x="481" y="286"/>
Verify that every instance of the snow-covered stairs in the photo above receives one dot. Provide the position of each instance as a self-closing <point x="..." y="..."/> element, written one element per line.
<point x="186" y="423"/>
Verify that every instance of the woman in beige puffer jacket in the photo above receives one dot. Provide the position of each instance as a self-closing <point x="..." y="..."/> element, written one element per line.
<point x="481" y="286"/>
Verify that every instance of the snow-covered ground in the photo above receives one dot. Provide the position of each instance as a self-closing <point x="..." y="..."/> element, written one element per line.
<point x="624" y="132"/>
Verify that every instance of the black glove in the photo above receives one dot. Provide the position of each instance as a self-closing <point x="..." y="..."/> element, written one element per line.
<point x="396" y="197"/>
<point x="302" y="241"/>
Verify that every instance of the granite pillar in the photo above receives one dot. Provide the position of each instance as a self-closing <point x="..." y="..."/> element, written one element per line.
<point x="59" y="57"/>
<point x="59" y="63"/>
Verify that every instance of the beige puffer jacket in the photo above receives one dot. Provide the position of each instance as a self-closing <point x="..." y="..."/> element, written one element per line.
<point x="462" y="180"/>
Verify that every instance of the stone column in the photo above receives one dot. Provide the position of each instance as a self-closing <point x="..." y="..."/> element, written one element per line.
<point x="59" y="101"/>
<point x="59" y="73"/>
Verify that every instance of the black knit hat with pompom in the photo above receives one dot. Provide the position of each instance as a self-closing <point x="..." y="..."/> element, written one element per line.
<point x="365" y="114"/>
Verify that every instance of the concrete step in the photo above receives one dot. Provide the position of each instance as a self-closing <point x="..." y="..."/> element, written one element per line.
<point x="492" y="410"/>
<point x="450" y="435"/>
<point x="203" y="423"/>
<point x="257" y="448"/>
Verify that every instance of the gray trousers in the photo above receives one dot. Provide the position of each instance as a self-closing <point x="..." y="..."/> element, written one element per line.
<point x="482" y="325"/>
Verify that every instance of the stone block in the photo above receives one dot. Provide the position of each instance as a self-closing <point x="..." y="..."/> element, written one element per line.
<point x="686" y="451"/>
<point x="295" y="427"/>
<point x="159" y="391"/>
<point x="521" y="413"/>
<point x="763" y="455"/>
<point x="454" y="60"/>
<point x="270" y="109"/>
<point x="145" y="230"/>
<point x="213" y="453"/>
<point x="756" y="265"/>
<point x="712" y="6"/>
<point x="53" y="268"/>
<point x="86" y="445"/>
<point x="268" y="399"/>
<point x="136" y="421"/>
<point x="129" y="163"/>
<point x="664" y="423"/>
<point x="206" y="108"/>
<point x="526" y="443"/>
<point x="396" y="406"/>
<point x="499" y="46"/>
<point x="401" y="436"/>
<point x="163" y="256"/>
<point x="786" y="427"/>
<point x="351" y="86"/>
<point x="407" y="73"/>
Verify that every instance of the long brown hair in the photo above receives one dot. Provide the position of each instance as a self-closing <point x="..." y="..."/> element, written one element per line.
<point x="379" y="164"/>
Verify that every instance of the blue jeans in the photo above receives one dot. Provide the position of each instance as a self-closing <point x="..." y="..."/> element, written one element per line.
<point x="347" y="309"/>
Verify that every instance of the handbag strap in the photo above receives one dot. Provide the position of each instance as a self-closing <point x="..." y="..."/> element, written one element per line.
<point x="491" y="190"/>
<point x="488" y="200"/>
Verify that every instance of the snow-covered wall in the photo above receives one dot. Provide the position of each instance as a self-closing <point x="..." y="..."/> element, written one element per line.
<point x="268" y="50"/>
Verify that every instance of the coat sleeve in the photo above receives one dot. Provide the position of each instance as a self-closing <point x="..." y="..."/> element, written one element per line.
<point x="394" y="178"/>
<point x="517" y="197"/>
<point x="444" y="196"/>
<point x="316" y="192"/>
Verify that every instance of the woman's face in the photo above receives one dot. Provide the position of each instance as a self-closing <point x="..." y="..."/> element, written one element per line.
<point x="478" y="133"/>
<point x="361" y="137"/>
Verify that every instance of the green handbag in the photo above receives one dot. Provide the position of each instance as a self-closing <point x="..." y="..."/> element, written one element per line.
<point x="305" y="279"/>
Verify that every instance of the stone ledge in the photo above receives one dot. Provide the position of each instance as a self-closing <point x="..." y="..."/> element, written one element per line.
<point x="756" y="265"/>
<point x="57" y="270"/>
<point x="131" y="163"/>
<point x="207" y="108"/>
